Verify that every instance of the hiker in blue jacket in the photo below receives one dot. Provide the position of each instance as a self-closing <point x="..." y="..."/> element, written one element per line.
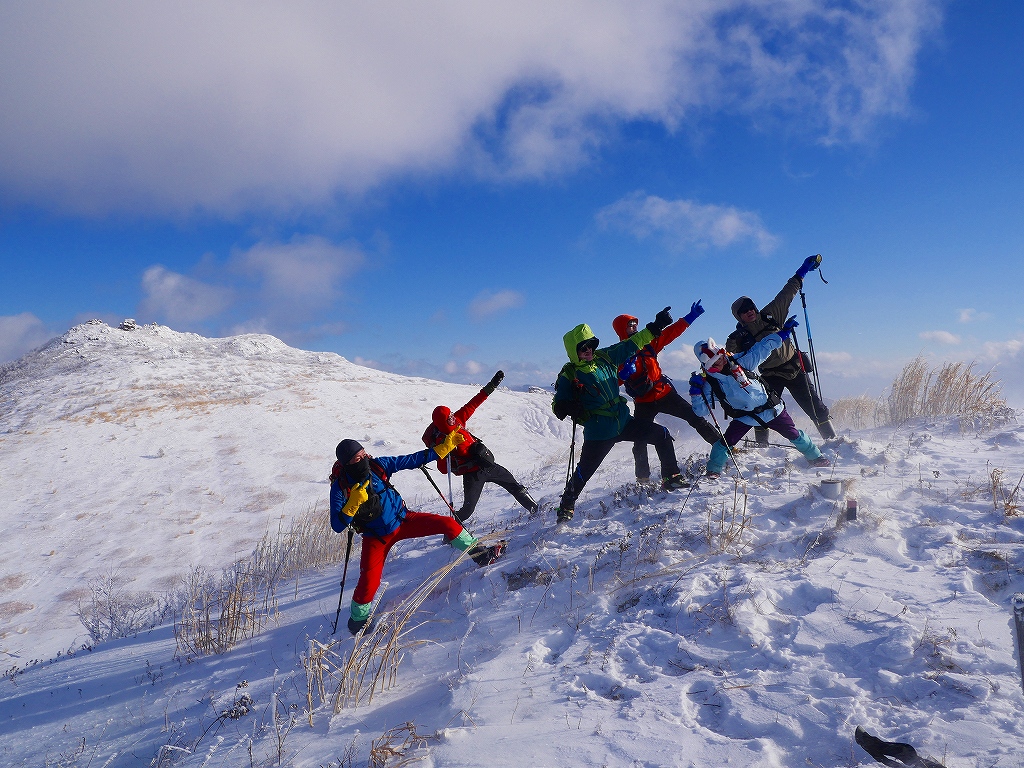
<point x="363" y="498"/>
<point x="734" y="382"/>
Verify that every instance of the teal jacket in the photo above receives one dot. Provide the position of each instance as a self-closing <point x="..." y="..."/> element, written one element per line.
<point x="596" y="384"/>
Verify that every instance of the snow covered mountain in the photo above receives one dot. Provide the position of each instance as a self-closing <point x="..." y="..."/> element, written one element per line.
<point x="141" y="452"/>
<point x="736" y="623"/>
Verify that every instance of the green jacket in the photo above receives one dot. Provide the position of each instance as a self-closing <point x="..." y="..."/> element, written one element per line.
<point x="596" y="384"/>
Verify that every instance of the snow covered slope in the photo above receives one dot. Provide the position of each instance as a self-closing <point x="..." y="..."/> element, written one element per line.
<point x="140" y="452"/>
<point x="741" y="623"/>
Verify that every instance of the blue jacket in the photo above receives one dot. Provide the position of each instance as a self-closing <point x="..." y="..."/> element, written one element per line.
<point x="744" y="398"/>
<point x="392" y="505"/>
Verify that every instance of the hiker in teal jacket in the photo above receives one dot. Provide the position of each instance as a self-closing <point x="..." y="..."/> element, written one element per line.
<point x="587" y="390"/>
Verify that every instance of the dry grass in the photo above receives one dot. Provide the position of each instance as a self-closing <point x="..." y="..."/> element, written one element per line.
<point x="725" y="528"/>
<point x="213" y="612"/>
<point x="854" y="412"/>
<point x="1003" y="497"/>
<point x="952" y="389"/>
<point x="373" y="663"/>
<point x="394" y="743"/>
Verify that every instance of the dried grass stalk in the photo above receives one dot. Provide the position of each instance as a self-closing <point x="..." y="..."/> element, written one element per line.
<point x="373" y="662"/>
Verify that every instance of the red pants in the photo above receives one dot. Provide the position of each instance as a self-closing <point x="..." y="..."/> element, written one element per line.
<point x="375" y="549"/>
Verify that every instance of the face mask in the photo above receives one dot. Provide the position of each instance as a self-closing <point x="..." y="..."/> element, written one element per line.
<point x="359" y="471"/>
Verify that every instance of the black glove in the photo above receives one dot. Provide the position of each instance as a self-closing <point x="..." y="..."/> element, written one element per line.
<point x="492" y="385"/>
<point x="571" y="408"/>
<point x="661" y="321"/>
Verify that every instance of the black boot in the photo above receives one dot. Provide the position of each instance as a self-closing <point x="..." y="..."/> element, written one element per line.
<point x="761" y="437"/>
<point x="355" y="626"/>
<point x="485" y="555"/>
<point x="826" y="430"/>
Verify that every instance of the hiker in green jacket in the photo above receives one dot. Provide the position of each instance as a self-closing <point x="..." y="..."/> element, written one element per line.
<point x="587" y="390"/>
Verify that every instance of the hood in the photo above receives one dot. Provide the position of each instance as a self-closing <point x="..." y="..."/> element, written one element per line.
<point x="572" y="339"/>
<point x="739" y="303"/>
<point x="707" y="351"/>
<point x="621" y="326"/>
<point x="440" y="418"/>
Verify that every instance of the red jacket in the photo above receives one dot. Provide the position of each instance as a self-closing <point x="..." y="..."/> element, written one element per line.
<point x="648" y="363"/>
<point x="443" y="422"/>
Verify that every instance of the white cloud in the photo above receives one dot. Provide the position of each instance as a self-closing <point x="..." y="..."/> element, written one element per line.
<point x="285" y="289"/>
<point x="942" y="337"/>
<point x="997" y="350"/>
<point x="487" y="304"/>
<point x="299" y="278"/>
<point x="177" y="299"/>
<point x="682" y="224"/>
<point x="20" y="334"/>
<point x="973" y="315"/>
<point x="222" y="106"/>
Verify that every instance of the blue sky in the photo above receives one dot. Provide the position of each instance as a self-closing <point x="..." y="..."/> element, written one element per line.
<point x="445" y="189"/>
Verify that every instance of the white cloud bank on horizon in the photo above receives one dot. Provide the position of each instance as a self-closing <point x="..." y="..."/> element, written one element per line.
<point x="680" y="224"/>
<point x="226" y="107"/>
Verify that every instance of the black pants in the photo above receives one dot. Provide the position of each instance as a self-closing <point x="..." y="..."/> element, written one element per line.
<point x="473" y="486"/>
<point x="594" y="451"/>
<point x="672" y="404"/>
<point x="803" y="394"/>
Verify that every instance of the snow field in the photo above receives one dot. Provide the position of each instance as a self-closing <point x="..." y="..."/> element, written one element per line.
<point x="698" y="628"/>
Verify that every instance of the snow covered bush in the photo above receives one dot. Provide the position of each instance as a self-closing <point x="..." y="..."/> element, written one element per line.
<point x="113" y="611"/>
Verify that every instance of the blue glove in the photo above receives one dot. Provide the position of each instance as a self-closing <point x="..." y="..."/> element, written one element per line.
<point x="696" y="310"/>
<point x="696" y="384"/>
<point x="787" y="329"/>
<point x="810" y="264"/>
<point x="628" y="369"/>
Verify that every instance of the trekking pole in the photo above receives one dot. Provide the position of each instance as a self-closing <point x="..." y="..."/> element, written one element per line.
<point x="807" y="322"/>
<point x="450" y="507"/>
<point x="572" y="455"/>
<point x="722" y="435"/>
<point x="451" y="495"/>
<point x="803" y="368"/>
<point x="344" y="574"/>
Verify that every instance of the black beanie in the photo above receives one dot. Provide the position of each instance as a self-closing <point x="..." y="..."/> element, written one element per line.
<point x="346" y="450"/>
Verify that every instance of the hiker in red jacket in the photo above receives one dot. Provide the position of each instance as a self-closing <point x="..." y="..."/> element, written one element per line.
<point x="652" y="391"/>
<point x="471" y="459"/>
